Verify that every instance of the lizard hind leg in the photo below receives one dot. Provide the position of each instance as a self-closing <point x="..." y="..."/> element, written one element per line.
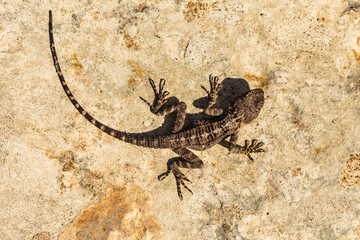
<point x="187" y="160"/>
<point x="158" y="109"/>
<point x="180" y="178"/>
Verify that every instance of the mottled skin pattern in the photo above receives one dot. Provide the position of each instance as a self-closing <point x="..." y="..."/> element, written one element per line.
<point x="200" y="135"/>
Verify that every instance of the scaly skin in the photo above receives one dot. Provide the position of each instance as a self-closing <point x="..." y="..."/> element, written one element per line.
<point x="199" y="136"/>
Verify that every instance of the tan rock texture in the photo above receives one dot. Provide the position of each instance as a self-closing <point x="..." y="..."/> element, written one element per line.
<point x="123" y="213"/>
<point x="61" y="178"/>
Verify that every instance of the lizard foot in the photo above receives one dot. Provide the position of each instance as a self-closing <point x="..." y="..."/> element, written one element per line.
<point x="180" y="178"/>
<point x="215" y="87"/>
<point x="253" y="147"/>
<point x="160" y="96"/>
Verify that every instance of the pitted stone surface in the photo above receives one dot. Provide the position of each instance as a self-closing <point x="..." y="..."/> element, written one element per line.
<point x="57" y="172"/>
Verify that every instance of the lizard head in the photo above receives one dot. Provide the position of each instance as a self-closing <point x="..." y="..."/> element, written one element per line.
<point x="247" y="107"/>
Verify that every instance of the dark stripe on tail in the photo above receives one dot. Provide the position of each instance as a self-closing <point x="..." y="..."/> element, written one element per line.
<point x="127" y="137"/>
<point x="108" y="130"/>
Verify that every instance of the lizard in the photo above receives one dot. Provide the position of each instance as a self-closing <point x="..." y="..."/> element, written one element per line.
<point x="200" y="135"/>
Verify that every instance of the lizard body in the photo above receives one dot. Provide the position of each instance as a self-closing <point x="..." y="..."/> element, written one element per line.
<point x="199" y="136"/>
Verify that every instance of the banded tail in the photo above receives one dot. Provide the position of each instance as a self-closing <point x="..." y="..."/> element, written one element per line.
<point x="133" y="138"/>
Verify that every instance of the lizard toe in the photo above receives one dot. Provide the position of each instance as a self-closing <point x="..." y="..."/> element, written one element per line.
<point x="163" y="176"/>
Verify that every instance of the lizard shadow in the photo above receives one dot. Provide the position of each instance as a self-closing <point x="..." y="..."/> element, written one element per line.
<point x="232" y="89"/>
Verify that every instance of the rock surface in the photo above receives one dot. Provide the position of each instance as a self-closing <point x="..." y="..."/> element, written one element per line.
<point x="61" y="178"/>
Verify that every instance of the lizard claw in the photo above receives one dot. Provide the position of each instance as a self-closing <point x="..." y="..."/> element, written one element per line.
<point x="254" y="147"/>
<point x="166" y="93"/>
<point x="208" y="93"/>
<point x="215" y="87"/>
<point x="160" y="96"/>
<point x="152" y="83"/>
<point x="250" y="158"/>
<point x="145" y="101"/>
<point x="180" y="182"/>
<point x="163" y="175"/>
<point x="161" y="85"/>
<point x="179" y="178"/>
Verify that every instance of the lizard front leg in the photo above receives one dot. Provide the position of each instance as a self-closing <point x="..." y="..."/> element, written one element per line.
<point x="158" y="109"/>
<point x="187" y="159"/>
<point x="254" y="147"/>
<point x="215" y="87"/>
